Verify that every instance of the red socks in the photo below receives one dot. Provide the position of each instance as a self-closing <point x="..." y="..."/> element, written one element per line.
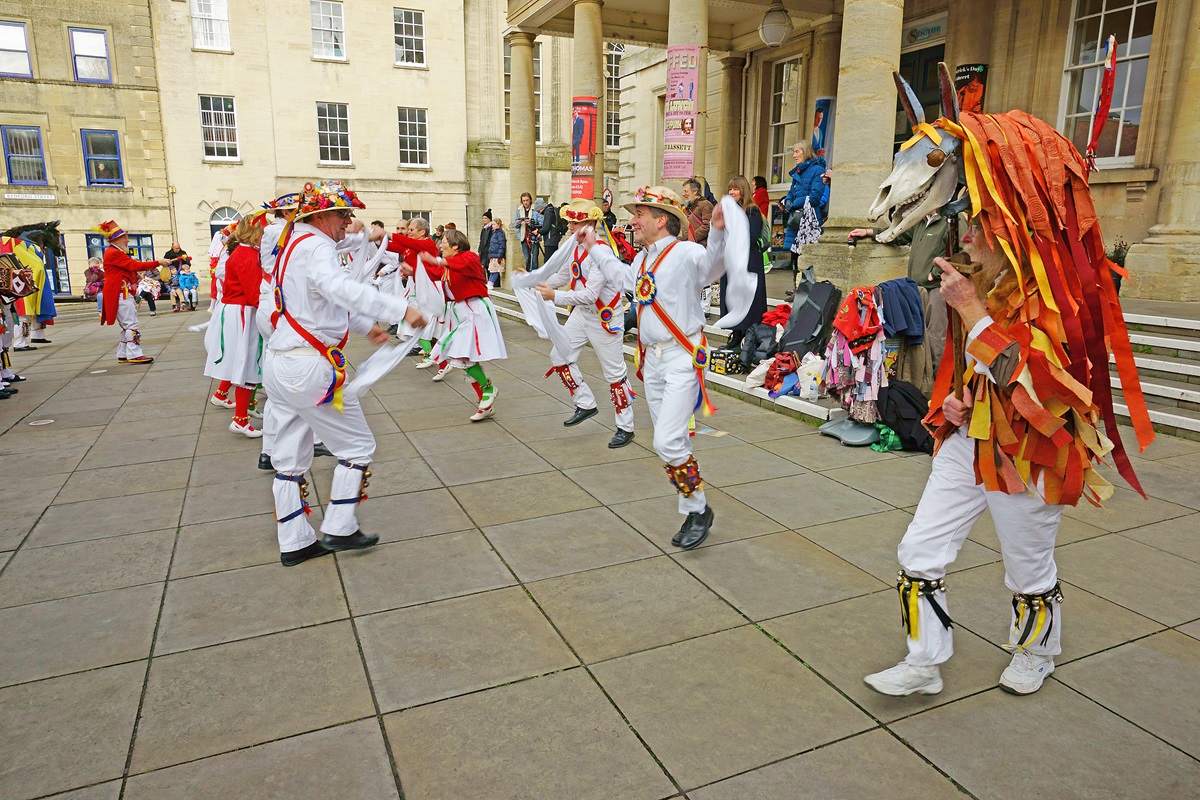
<point x="241" y="400"/>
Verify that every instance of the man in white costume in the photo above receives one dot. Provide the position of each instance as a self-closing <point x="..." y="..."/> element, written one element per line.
<point x="595" y="298"/>
<point x="318" y="305"/>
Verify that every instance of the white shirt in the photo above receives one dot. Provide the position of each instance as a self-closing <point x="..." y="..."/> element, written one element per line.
<point x="681" y="276"/>
<point x="595" y="286"/>
<point x="323" y="298"/>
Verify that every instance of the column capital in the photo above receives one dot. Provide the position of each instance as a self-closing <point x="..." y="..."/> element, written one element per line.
<point x="733" y="61"/>
<point x="516" y="36"/>
<point x="587" y="2"/>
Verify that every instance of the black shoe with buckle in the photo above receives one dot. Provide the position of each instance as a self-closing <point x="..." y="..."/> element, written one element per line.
<point x="695" y="529"/>
<point x="580" y="415"/>
<point x="620" y="439"/>
<point x="319" y="449"/>
<point x="294" y="557"/>
<point x="355" y="541"/>
<point x="264" y="462"/>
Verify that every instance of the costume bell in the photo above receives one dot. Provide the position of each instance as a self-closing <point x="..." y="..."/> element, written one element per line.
<point x="318" y="305"/>
<point x="120" y="290"/>
<point x="1040" y="317"/>
<point x="595" y="298"/>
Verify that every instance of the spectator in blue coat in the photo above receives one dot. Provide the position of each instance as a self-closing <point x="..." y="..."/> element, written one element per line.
<point x="497" y="251"/>
<point x="806" y="184"/>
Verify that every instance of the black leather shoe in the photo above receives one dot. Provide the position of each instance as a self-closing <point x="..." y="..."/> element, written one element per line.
<point x="697" y="530"/>
<point x="355" y="541"/>
<point x="5" y="394"/>
<point x="264" y="462"/>
<point x="11" y="390"/>
<point x="687" y="523"/>
<point x="23" y="349"/>
<point x="16" y="379"/>
<point x="580" y="415"/>
<point x="319" y="449"/>
<point x="314" y="550"/>
<point x="620" y="439"/>
<point x="40" y="341"/>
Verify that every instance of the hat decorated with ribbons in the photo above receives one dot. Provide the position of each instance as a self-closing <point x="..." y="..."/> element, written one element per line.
<point x="285" y="202"/>
<point x="110" y="230"/>
<point x="659" y="197"/>
<point x="325" y="196"/>
<point x="582" y="209"/>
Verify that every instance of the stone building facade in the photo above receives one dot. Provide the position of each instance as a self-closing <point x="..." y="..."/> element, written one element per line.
<point x="1041" y="57"/>
<point x="80" y="123"/>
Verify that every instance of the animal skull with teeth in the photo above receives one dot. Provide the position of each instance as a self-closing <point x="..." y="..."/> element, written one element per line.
<point x="926" y="175"/>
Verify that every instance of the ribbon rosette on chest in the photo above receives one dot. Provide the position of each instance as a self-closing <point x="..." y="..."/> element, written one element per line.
<point x="337" y="357"/>
<point x="606" y="318"/>
<point x="700" y="357"/>
<point x="279" y="299"/>
<point x="646" y="289"/>
<point x="576" y="271"/>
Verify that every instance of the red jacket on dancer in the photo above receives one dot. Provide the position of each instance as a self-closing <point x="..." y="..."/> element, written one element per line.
<point x="243" y="277"/>
<point x="463" y="274"/>
<point x="120" y="275"/>
<point x="408" y="248"/>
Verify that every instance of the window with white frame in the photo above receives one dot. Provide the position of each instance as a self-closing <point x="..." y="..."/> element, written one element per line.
<point x="425" y="215"/>
<point x="14" y="50"/>
<point x="408" y="26"/>
<point x="414" y="137"/>
<point x="89" y="55"/>
<point x="537" y="90"/>
<point x="612" y="94"/>
<point x="102" y="158"/>
<point x="328" y="30"/>
<point x="784" y="130"/>
<point x="210" y="24"/>
<point x="333" y="133"/>
<point x="218" y="127"/>
<point x="1132" y="22"/>
<point x="24" y="158"/>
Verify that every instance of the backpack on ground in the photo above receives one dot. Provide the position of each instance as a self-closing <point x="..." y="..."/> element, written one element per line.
<point x="902" y="407"/>
<point x="813" y="309"/>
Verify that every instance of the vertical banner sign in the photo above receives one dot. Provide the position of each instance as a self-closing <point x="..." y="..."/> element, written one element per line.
<point x="679" y="129"/>
<point x="822" y="135"/>
<point x="583" y="147"/>
<point x="970" y="81"/>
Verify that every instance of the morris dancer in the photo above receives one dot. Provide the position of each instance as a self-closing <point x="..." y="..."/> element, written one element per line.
<point x="596" y="316"/>
<point x="1041" y="316"/>
<point x="120" y="289"/>
<point x="474" y="330"/>
<point x="238" y="359"/>
<point x="674" y="351"/>
<point x="410" y="247"/>
<point x="318" y="305"/>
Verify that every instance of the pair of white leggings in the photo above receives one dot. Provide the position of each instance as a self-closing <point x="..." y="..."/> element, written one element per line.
<point x="582" y="327"/>
<point x="672" y="388"/>
<point x="1025" y="524"/>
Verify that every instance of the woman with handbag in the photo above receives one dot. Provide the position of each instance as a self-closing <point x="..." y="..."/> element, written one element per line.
<point x="806" y="185"/>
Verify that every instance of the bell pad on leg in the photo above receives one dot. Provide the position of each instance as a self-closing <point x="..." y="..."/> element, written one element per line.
<point x="1033" y="614"/>
<point x="303" y="486"/>
<point x="911" y="590"/>
<point x="685" y="477"/>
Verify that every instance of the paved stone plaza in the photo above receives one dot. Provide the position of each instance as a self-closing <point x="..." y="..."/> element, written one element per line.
<point x="525" y="630"/>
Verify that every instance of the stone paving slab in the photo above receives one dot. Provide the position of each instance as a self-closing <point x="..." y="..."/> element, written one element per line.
<point x="525" y="630"/>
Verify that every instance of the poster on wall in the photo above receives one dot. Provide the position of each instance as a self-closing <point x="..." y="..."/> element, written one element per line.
<point x="682" y="102"/>
<point x="822" y="135"/>
<point x="583" y="147"/>
<point x="970" y="81"/>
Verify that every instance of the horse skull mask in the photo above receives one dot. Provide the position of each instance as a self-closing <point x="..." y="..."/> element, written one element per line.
<point x="926" y="175"/>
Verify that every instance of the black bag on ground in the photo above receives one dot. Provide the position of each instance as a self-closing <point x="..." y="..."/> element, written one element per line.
<point x="902" y="407"/>
<point x="813" y="308"/>
<point x="758" y="344"/>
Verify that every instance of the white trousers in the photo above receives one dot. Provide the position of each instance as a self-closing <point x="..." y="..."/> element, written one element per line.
<point x="672" y="388"/>
<point x="270" y="424"/>
<point x="1025" y="524"/>
<point x="127" y="319"/>
<point x="295" y="384"/>
<point x="583" y="326"/>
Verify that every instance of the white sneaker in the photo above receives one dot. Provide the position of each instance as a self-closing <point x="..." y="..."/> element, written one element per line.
<point x="426" y="363"/>
<point x="442" y="373"/>
<point x="247" y="430"/>
<point x="483" y="413"/>
<point x="1026" y="672"/>
<point x="219" y="403"/>
<point x="905" y="679"/>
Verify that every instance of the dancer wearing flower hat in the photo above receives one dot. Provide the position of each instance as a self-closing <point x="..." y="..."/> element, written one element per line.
<point x="120" y="289"/>
<point x="317" y="305"/>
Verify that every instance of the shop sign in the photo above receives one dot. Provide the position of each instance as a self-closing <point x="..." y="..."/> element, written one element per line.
<point x="925" y="33"/>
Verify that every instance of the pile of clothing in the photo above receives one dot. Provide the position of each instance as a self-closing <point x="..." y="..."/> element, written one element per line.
<point x="876" y="328"/>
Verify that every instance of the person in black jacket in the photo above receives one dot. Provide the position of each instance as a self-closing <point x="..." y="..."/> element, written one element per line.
<point x="553" y="228"/>
<point x="739" y="190"/>
<point x="485" y="236"/>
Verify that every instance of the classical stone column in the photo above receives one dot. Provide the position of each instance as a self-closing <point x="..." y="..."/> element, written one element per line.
<point x="1166" y="266"/>
<point x="522" y="137"/>
<point x="588" y="76"/>
<point x="687" y="23"/>
<point x="862" y="149"/>
<point x="729" y="156"/>
<point x="968" y="36"/>
<point x="823" y="64"/>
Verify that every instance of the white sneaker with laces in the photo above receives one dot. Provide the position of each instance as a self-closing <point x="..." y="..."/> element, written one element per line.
<point x="1026" y="672"/>
<point x="905" y="679"/>
<point x="426" y="363"/>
